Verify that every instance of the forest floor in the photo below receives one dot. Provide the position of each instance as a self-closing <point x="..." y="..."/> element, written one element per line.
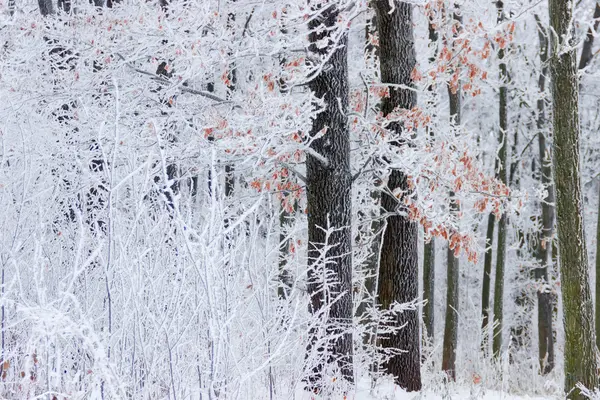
<point x="388" y="391"/>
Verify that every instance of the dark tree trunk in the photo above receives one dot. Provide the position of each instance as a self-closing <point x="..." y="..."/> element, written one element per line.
<point x="329" y="204"/>
<point x="580" y="339"/>
<point x="502" y="175"/>
<point x="487" y="282"/>
<point x="429" y="246"/>
<point x="429" y="288"/>
<point x="452" y="302"/>
<point x="586" y="52"/>
<point x="545" y="296"/>
<point x="398" y="269"/>
<point x="452" y="294"/>
<point x="46" y="7"/>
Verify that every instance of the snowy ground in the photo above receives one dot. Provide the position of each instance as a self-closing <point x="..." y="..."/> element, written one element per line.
<point x="388" y="391"/>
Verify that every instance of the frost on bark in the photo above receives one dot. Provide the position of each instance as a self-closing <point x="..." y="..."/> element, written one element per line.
<point x="398" y="268"/>
<point x="452" y="294"/>
<point x="375" y="228"/>
<point x="580" y="361"/>
<point x="546" y="298"/>
<point x="502" y="175"/>
<point x="584" y="61"/>
<point x="328" y="195"/>
<point x="429" y="246"/>
<point x="487" y="281"/>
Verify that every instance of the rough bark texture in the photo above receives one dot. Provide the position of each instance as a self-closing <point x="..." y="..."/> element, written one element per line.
<point x="586" y="57"/>
<point x="580" y="339"/>
<point x="328" y="192"/>
<point x="502" y="175"/>
<point x="545" y="296"/>
<point x="452" y="294"/>
<point x="487" y="280"/>
<point x="398" y="269"/>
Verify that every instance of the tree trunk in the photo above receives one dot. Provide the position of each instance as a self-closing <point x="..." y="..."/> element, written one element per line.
<point x="429" y="246"/>
<point x="487" y="278"/>
<point x="452" y="301"/>
<point x="285" y="277"/>
<point x="580" y="339"/>
<point x="329" y="204"/>
<point x="429" y="288"/>
<point x="452" y="294"/>
<point x="375" y="227"/>
<point x="586" y="57"/>
<point x="398" y="269"/>
<point x="502" y="175"/>
<point x="545" y="296"/>
<point x="586" y="52"/>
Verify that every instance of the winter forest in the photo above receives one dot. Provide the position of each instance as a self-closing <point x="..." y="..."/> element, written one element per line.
<point x="299" y="199"/>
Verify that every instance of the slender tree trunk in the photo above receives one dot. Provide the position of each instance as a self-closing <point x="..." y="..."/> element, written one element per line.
<point x="520" y="331"/>
<point x="586" y="52"/>
<point x="286" y="217"/>
<point x="429" y="288"/>
<point x="452" y="303"/>
<point x="487" y="278"/>
<point x="328" y="193"/>
<point x="452" y="294"/>
<point x="580" y="339"/>
<point x="502" y="175"/>
<point x="429" y="246"/>
<point x="285" y="277"/>
<point x="376" y="225"/>
<point x="545" y="296"/>
<point x="398" y="269"/>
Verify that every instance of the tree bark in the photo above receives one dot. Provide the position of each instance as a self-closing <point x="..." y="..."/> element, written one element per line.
<point x="452" y="301"/>
<point x="452" y="294"/>
<point x="328" y="194"/>
<point x="586" y="58"/>
<point x="586" y="52"/>
<point x="487" y="282"/>
<point x="398" y="268"/>
<point x="502" y="175"/>
<point x="580" y="339"/>
<point x="429" y="246"/>
<point x="545" y="297"/>
<point x="429" y="288"/>
<point x="375" y="227"/>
